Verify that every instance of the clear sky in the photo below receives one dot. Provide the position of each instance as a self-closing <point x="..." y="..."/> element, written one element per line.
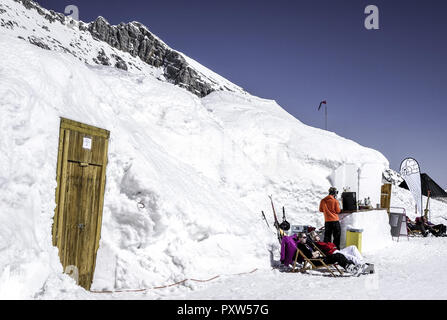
<point x="385" y="89"/>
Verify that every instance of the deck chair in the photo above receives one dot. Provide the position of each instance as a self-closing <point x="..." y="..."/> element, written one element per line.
<point x="414" y="233"/>
<point x="413" y="230"/>
<point x="311" y="264"/>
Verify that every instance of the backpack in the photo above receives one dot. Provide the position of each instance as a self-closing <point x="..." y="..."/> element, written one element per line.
<point x="285" y="225"/>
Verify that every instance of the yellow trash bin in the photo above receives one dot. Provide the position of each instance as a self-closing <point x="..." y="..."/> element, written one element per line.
<point x="354" y="238"/>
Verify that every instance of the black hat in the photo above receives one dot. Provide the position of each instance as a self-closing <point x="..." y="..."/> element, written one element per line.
<point x="333" y="191"/>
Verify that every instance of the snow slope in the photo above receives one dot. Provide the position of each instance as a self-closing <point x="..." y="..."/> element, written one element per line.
<point x="186" y="179"/>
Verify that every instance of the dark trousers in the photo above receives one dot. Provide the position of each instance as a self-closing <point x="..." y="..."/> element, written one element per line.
<point x="334" y="258"/>
<point x="438" y="230"/>
<point x="332" y="229"/>
<point x="339" y="258"/>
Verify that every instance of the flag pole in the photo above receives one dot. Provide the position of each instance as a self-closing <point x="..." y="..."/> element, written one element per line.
<point x="325" y="111"/>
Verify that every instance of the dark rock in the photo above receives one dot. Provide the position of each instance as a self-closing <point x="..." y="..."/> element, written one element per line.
<point x="83" y="26"/>
<point x="135" y="39"/>
<point x="102" y="58"/>
<point x="38" y="42"/>
<point x="10" y="24"/>
<point x="32" y="5"/>
<point x="120" y="63"/>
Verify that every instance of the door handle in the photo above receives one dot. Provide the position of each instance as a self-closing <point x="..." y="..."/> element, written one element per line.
<point x="81" y="226"/>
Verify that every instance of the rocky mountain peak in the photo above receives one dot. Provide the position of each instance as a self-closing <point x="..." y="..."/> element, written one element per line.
<point x="126" y="38"/>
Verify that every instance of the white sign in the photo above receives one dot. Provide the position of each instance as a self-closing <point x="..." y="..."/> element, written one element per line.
<point x="87" y="143"/>
<point x="410" y="171"/>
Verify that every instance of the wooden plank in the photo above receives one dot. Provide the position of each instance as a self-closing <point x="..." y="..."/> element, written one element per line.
<point x="84" y="128"/>
<point x="98" y="150"/>
<point x="90" y="213"/>
<point x="101" y="201"/>
<point x="62" y="194"/>
<point x="69" y="203"/>
<point x="58" y="181"/>
<point x="94" y="220"/>
<point x="91" y="199"/>
<point x="101" y="193"/>
<point x="85" y="196"/>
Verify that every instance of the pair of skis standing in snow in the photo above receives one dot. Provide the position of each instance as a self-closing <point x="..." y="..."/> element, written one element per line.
<point x="280" y="227"/>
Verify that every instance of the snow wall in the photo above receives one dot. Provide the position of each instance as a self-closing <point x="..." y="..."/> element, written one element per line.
<point x="376" y="233"/>
<point x="202" y="168"/>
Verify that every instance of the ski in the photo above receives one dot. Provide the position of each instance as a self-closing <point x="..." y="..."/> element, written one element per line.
<point x="263" y="216"/>
<point x="276" y="224"/>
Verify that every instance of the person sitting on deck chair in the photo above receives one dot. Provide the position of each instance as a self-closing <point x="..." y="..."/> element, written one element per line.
<point x="426" y="226"/>
<point x="411" y="225"/>
<point x="339" y="258"/>
<point x="328" y="248"/>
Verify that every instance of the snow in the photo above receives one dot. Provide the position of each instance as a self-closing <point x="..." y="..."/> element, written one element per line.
<point x="407" y="270"/>
<point x="403" y="199"/>
<point x="187" y="179"/>
<point x="376" y="230"/>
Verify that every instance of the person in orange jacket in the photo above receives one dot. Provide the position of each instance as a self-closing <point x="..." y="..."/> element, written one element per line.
<point x="331" y="208"/>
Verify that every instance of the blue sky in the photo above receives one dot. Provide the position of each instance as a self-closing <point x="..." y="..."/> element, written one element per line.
<point x="386" y="88"/>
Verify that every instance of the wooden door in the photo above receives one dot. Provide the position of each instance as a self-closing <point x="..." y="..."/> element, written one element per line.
<point x="385" y="199"/>
<point x="81" y="170"/>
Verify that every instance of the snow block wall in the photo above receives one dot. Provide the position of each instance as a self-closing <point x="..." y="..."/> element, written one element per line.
<point x="187" y="177"/>
<point x="376" y="233"/>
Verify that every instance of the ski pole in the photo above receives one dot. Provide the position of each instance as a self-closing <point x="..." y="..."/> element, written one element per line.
<point x="263" y="215"/>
